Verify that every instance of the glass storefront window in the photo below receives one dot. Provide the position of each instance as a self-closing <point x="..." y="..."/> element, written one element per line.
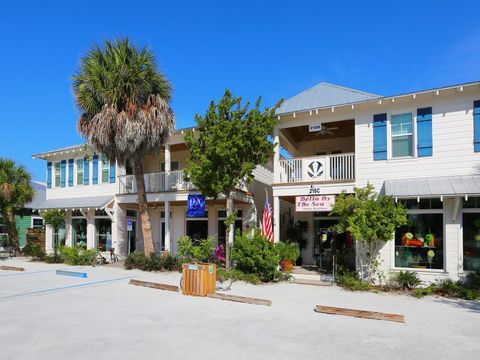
<point x="419" y="244"/>
<point x="79" y="232"/>
<point x="222" y="229"/>
<point x="59" y="236"/>
<point x="471" y="241"/>
<point x="197" y="228"/>
<point x="103" y="234"/>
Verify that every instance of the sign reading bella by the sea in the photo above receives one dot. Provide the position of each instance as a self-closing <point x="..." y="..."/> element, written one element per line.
<point x="314" y="203"/>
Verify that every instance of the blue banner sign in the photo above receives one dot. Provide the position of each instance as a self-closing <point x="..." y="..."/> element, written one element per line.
<point x="196" y="205"/>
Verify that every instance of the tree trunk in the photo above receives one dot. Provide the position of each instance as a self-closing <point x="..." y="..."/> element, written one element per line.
<point x="230" y="231"/>
<point x="143" y="208"/>
<point x="12" y="230"/>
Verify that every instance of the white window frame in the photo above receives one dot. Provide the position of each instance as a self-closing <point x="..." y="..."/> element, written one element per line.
<point x="104" y="160"/>
<point x="75" y="168"/>
<point x="36" y="217"/>
<point x="55" y="173"/>
<point x="389" y="134"/>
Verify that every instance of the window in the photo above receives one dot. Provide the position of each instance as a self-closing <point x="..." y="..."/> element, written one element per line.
<point x="105" y="170"/>
<point x="131" y="213"/>
<point x="103" y="234"/>
<point x="37" y="223"/>
<point x="402" y="135"/>
<point x="197" y="228"/>
<point x="173" y="166"/>
<point x="57" y="174"/>
<point x="59" y="237"/>
<point x="419" y="244"/>
<point x="80" y="172"/>
<point x="222" y="229"/>
<point x="79" y="232"/>
<point x="471" y="241"/>
<point x="424" y="203"/>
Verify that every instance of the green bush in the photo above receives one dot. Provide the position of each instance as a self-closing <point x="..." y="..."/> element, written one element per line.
<point x="449" y="288"/>
<point x="288" y="251"/>
<point x="238" y="275"/>
<point x="77" y="255"/>
<point x="253" y="254"/>
<point x="154" y="262"/>
<point x="195" y="251"/>
<point x="406" y="279"/>
<point x="350" y="281"/>
<point x="34" y="250"/>
<point x="54" y="258"/>
<point x="472" y="280"/>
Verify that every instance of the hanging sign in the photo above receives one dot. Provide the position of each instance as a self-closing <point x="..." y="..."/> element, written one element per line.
<point x="196" y="205"/>
<point x="314" y="127"/>
<point x="314" y="168"/>
<point x="314" y="203"/>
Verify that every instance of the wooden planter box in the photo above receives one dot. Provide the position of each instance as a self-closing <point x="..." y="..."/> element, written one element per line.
<point x="199" y="279"/>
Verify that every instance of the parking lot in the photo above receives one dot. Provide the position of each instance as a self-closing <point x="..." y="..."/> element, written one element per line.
<point x="49" y="316"/>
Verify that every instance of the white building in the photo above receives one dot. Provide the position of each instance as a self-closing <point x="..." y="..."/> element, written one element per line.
<point x="423" y="148"/>
<point x="100" y="200"/>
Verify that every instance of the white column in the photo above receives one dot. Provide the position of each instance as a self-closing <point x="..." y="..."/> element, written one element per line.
<point x="276" y="219"/>
<point x="276" y="156"/>
<point x="48" y="239"/>
<point x="68" y="228"/>
<point x="90" y="228"/>
<point x="167" y="171"/>
<point x="119" y="227"/>
<point x="167" y="226"/>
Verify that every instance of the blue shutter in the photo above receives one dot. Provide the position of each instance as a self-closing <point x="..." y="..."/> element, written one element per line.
<point x="70" y="172"/>
<point x="112" y="171"/>
<point x="49" y="175"/>
<point x="476" y="126"/>
<point x="424" y="131"/>
<point x="63" y="172"/>
<point x="86" y="171"/>
<point x="95" y="170"/>
<point x="380" y="137"/>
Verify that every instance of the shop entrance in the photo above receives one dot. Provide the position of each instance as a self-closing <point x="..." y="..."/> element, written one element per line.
<point x="132" y="235"/>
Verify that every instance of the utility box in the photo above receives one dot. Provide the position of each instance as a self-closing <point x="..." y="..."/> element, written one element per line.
<point x="199" y="279"/>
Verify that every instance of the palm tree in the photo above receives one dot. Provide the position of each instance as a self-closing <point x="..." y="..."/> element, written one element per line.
<point x="124" y="98"/>
<point x="15" y="192"/>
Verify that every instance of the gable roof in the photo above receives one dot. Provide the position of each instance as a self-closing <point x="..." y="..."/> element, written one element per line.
<point x="323" y="95"/>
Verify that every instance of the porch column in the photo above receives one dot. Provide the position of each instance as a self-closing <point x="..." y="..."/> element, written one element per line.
<point x="276" y="219"/>
<point x="167" y="226"/>
<point x="48" y="239"/>
<point x="119" y="226"/>
<point x="90" y="215"/>
<point x="276" y="156"/>
<point x="167" y="171"/>
<point x="68" y="228"/>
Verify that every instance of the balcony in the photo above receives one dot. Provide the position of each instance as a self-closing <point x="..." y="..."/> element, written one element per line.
<point x="155" y="182"/>
<point x="338" y="168"/>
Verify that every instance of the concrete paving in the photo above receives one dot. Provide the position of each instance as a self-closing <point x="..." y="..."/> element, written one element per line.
<point x="47" y="316"/>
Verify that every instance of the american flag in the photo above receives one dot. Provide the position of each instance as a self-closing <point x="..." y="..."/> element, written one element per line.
<point x="267" y="223"/>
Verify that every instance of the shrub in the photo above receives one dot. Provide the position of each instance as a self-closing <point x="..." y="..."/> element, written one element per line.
<point x="198" y="251"/>
<point x="253" y="254"/>
<point x="350" y="281"/>
<point x="76" y="255"/>
<point x="135" y="260"/>
<point x="238" y="275"/>
<point x="54" y="258"/>
<point x="288" y="251"/>
<point x="34" y="250"/>
<point x="406" y="279"/>
<point x="448" y="288"/>
<point x="472" y="280"/>
<point x="153" y="262"/>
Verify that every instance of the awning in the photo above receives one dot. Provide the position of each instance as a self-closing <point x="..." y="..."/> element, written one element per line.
<point x="434" y="186"/>
<point x="92" y="202"/>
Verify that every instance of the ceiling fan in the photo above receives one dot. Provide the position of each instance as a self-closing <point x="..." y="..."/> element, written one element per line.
<point x="326" y="130"/>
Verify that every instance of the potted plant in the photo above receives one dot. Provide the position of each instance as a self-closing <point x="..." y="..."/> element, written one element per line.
<point x="288" y="254"/>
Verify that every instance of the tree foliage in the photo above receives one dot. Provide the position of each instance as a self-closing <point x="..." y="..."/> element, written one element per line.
<point x="54" y="218"/>
<point x="229" y="142"/>
<point x="15" y="192"/>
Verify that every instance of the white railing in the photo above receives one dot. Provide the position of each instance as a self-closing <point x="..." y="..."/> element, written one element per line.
<point x="155" y="182"/>
<point x="339" y="167"/>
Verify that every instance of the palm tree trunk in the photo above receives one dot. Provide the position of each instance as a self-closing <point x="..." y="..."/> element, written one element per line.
<point x="12" y="230"/>
<point x="143" y="207"/>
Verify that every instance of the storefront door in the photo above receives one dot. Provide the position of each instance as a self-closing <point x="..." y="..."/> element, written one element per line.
<point x="132" y="235"/>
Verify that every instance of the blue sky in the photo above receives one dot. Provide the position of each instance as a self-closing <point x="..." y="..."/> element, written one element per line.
<point x="270" y="48"/>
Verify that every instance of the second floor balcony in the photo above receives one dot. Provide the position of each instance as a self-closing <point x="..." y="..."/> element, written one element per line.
<point x="155" y="182"/>
<point x="338" y="168"/>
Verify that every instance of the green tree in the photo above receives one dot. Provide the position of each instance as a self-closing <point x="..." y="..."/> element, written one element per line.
<point x="55" y="219"/>
<point x="229" y="142"/>
<point x="15" y="192"/>
<point x="371" y="219"/>
<point x="124" y="99"/>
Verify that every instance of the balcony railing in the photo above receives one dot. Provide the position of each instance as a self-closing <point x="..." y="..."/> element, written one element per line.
<point x="155" y="182"/>
<point x="340" y="167"/>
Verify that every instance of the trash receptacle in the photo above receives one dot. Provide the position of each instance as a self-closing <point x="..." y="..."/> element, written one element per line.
<point x="198" y="279"/>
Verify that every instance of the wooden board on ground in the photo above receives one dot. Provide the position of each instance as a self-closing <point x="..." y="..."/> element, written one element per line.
<point x="359" y="313"/>
<point x="12" y="268"/>
<point x="154" y="285"/>
<point x="311" y="282"/>
<point x="242" y="299"/>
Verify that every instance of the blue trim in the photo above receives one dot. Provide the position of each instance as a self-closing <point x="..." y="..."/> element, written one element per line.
<point x="112" y="171"/>
<point x="95" y="170"/>
<point x="70" y="172"/>
<point x="476" y="126"/>
<point x="71" y="273"/>
<point x="424" y="132"/>
<point x="63" y="172"/>
<point x="49" y="175"/>
<point x="86" y="171"/>
<point x="380" y="137"/>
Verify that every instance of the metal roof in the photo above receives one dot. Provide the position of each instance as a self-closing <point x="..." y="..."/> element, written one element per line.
<point x="40" y="194"/>
<point x="434" y="186"/>
<point x="323" y="95"/>
<point x="92" y="202"/>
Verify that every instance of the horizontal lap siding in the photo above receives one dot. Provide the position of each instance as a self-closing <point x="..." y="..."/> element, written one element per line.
<point x="23" y="223"/>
